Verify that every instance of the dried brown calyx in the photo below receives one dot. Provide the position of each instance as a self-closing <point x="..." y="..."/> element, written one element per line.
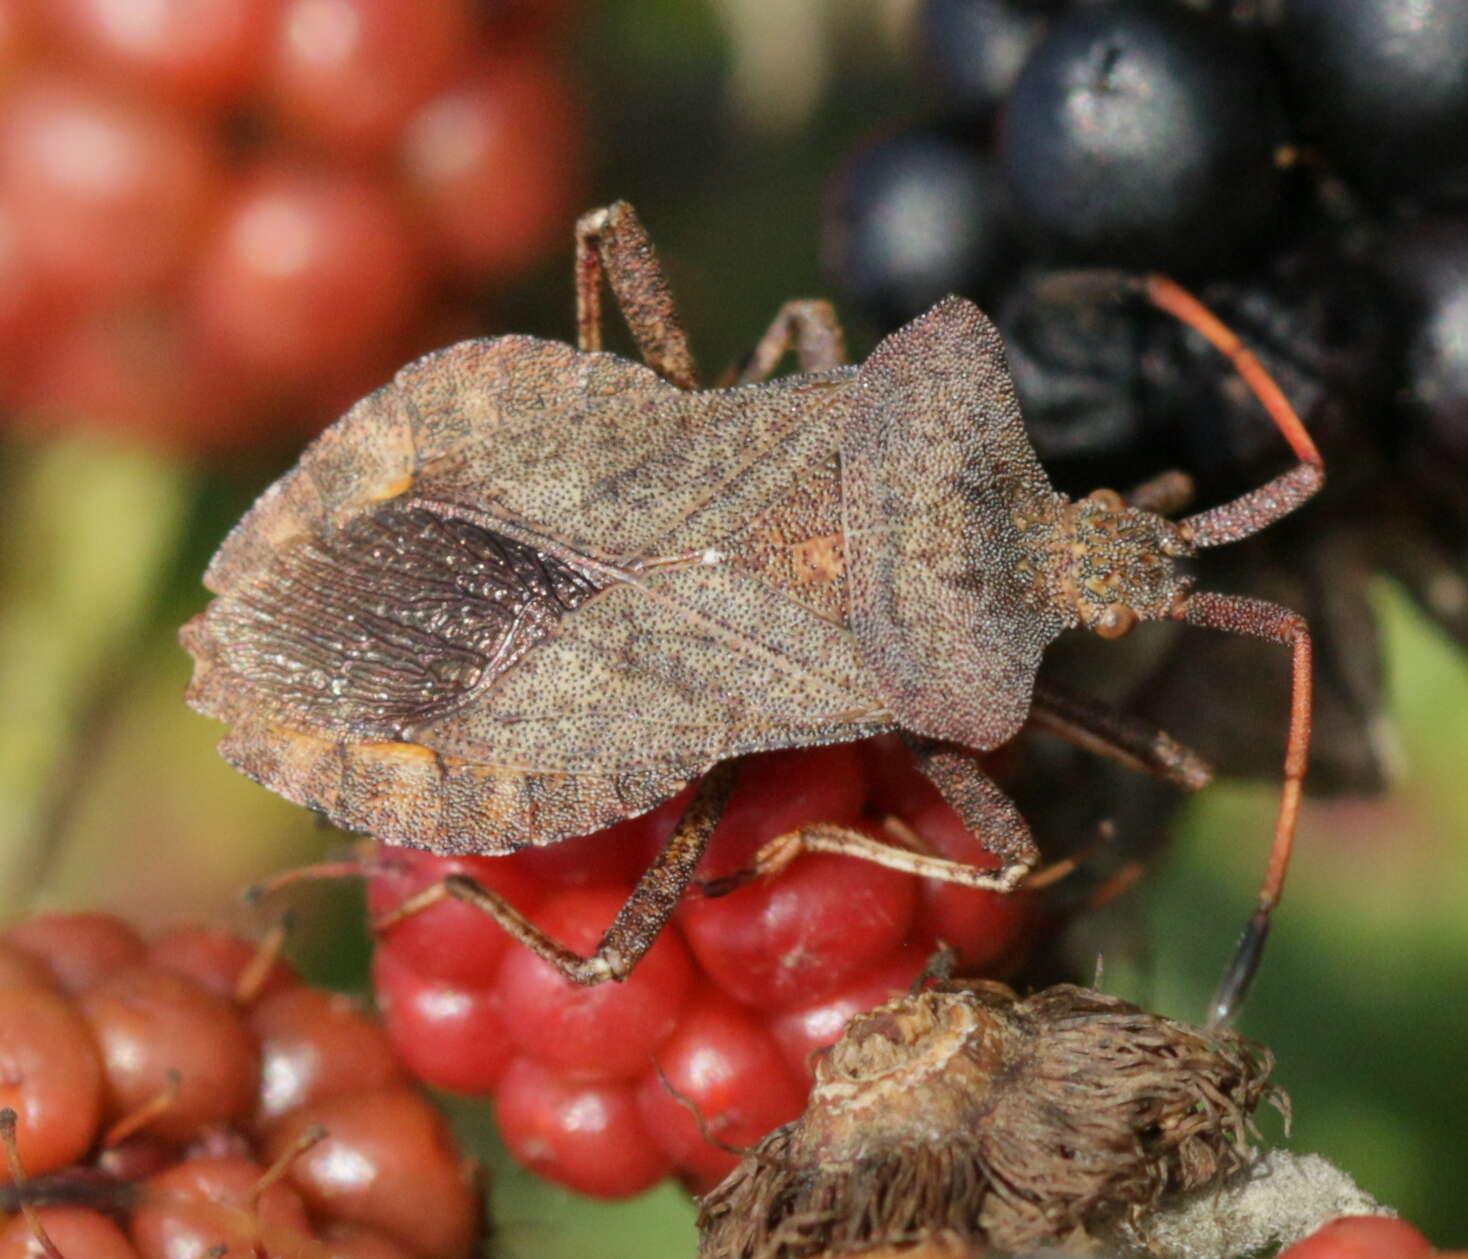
<point x="966" y="1117"/>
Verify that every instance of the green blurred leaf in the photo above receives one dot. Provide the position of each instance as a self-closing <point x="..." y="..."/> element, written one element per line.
<point x="90" y="529"/>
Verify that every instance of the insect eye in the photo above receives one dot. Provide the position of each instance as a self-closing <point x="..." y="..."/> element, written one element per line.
<point x="1117" y="620"/>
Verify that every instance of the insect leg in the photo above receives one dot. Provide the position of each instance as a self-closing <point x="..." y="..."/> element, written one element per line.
<point x="611" y="241"/>
<point x="1101" y="729"/>
<point x="807" y="326"/>
<point x="779" y="852"/>
<point x="637" y="924"/>
<point x="1258" y="619"/>
<point x="971" y="793"/>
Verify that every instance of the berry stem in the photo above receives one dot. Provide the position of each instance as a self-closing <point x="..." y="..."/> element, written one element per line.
<point x="17" y="1176"/>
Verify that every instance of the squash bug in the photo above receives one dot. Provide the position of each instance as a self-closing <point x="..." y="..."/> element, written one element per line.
<point x="525" y="590"/>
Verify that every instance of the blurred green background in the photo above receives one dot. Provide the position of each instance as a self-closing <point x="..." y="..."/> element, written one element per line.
<point x="722" y="123"/>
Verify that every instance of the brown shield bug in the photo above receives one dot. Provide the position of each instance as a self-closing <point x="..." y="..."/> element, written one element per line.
<point x="526" y="590"/>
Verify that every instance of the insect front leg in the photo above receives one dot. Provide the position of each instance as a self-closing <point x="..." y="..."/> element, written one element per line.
<point x="611" y="241"/>
<point x="807" y="326"/>
<point x="1099" y="728"/>
<point x="638" y="923"/>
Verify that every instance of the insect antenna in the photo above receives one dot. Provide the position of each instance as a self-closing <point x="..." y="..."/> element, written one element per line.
<point x="1276" y="498"/>
<point x="1256" y="618"/>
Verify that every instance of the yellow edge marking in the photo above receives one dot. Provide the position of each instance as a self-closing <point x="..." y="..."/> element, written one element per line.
<point x="393" y="751"/>
<point x="393" y="488"/>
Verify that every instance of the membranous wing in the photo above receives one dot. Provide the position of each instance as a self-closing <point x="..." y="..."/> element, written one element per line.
<point x="394" y="617"/>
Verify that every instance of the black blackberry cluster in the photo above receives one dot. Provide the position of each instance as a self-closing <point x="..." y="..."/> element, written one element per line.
<point x="1302" y="165"/>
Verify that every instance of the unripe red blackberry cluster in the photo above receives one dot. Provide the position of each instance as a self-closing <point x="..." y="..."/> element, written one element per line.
<point x="1300" y="165"/>
<point x="225" y="222"/>
<point x="725" y="1010"/>
<point x="191" y="1096"/>
<point x="1363" y="1237"/>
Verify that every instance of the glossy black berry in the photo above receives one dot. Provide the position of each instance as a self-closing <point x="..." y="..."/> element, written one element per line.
<point x="1143" y="135"/>
<point x="1077" y="367"/>
<point x="1115" y="391"/>
<point x="913" y="217"/>
<point x="1383" y="86"/>
<point x="1426" y="271"/>
<point x="1314" y="319"/>
<point x="973" y="50"/>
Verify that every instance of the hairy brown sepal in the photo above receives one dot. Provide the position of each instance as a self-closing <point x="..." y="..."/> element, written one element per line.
<point x="966" y="1116"/>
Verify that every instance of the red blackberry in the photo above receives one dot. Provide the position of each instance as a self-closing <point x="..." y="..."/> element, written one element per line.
<point x="156" y="1114"/>
<point x="598" y="1088"/>
<point x="222" y="221"/>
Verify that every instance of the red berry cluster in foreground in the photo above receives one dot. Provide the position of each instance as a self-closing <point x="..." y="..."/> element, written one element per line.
<point x="154" y="1083"/>
<point x="729" y="1003"/>
<point x="1362" y="1237"/>
<point x="226" y="219"/>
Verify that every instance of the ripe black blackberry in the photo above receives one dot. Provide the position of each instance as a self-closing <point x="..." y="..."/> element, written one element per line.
<point x="1380" y="87"/>
<point x="1424" y="535"/>
<point x="971" y="51"/>
<point x="915" y="214"/>
<point x="1297" y="168"/>
<point x="1143" y="135"/>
